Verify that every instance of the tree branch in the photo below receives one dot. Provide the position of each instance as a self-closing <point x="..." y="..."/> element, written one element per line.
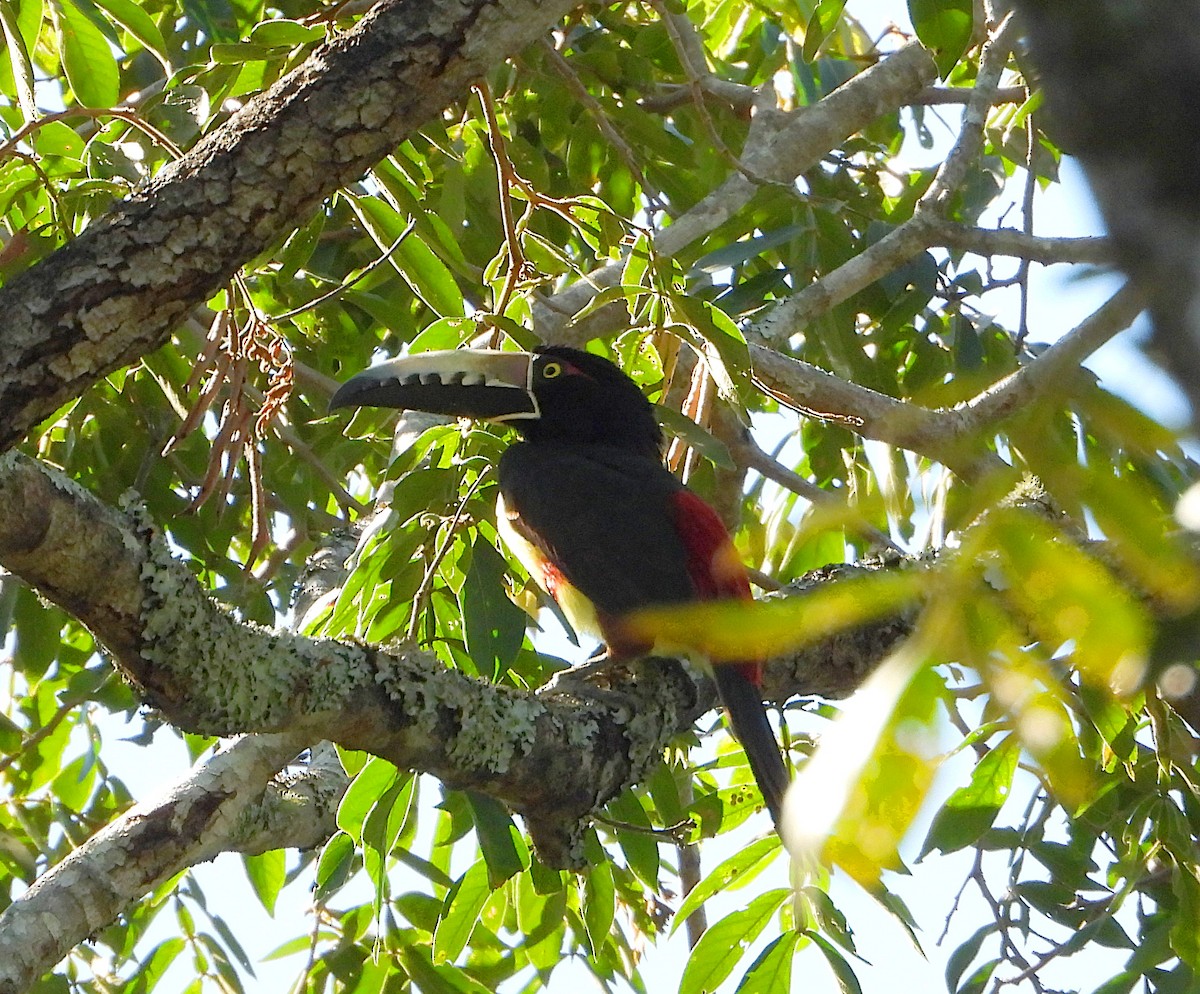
<point x="553" y="756"/>
<point x="798" y="311"/>
<point x="115" y="292"/>
<point x="951" y="435"/>
<point x="779" y="148"/>
<point x="1096" y="250"/>
<point x="221" y="806"/>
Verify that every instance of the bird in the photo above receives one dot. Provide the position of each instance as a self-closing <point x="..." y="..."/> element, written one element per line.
<point x="587" y="506"/>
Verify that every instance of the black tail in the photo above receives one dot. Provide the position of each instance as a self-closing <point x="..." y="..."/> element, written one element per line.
<point x="748" y="719"/>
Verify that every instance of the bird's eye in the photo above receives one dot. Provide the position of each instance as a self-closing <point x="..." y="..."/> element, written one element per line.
<point x="551" y="370"/>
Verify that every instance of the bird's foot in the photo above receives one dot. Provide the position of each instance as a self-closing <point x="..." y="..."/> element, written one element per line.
<point x="595" y="680"/>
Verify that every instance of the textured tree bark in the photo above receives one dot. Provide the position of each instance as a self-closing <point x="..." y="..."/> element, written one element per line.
<point x="116" y="291"/>
<point x="554" y="756"/>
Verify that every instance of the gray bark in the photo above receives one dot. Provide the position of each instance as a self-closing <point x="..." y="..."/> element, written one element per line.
<point x="116" y="291"/>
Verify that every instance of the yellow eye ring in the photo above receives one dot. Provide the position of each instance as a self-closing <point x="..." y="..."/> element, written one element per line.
<point x="551" y="370"/>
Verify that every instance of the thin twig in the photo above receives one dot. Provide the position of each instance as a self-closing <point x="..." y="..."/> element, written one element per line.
<point x="690" y="51"/>
<point x="128" y="116"/>
<point x="1027" y="226"/>
<point x="655" y="202"/>
<point x="755" y="458"/>
<point x="342" y="287"/>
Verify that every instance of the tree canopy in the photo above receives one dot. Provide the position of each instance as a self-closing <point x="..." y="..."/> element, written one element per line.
<point x="966" y="545"/>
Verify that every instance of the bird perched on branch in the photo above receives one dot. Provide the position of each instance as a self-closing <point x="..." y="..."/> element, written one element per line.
<point x="586" y="504"/>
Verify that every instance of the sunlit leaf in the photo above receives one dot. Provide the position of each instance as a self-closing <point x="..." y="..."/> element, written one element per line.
<point x="87" y="59"/>
<point x="738" y="869"/>
<point x="731" y="630"/>
<point x="266" y="873"/>
<point x="599" y="904"/>
<point x="335" y="865"/>
<point x="944" y="27"/>
<point x="772" y="971"/>
<point x="854" y="800"/>
<point x="1066" y="597"/>
<point x="460" y="913"/>
<point x="847" y="981"/>
<point x="971" y="810"/>
<point x="724" y="943"/>
<point x="372" y="782"/>
<point x="141" y="25"/>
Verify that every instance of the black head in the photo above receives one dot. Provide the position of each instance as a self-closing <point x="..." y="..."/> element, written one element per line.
<point x="586" y="400"/>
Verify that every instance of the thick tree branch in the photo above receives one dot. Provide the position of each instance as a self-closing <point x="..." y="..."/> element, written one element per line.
<point x="955" y="436"/>
<point x="221" y="806"/>
<point x="1055" y="369"/>
<point x="553" y="756"/>
<point x="116" y="291"/>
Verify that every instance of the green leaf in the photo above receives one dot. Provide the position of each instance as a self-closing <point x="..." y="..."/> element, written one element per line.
<point x="500" y="840"/>
<point x="1185" y="937"/>
<point x="685" y="429"/>
<point x="299" y="247"/>
<point x="155" y="964"/>
<point x="73" y="786"/>
<point x="335" y="865"/>
<point x="372" y="782"/>
<point x="978" y="981"/>
<point x="771" y="973"/>
<point x="58" y="138"/>
<point x="413" y="259"/>
<point x="740" y="868"/>
<point x="1065" y="595"/>
<point x="640" y="848"/>
<point x="141" y="25"/>
<point x="438" y="978"/>
<point x="460" y="913"/>
<point x="267" y="873"/>
<point x="86" y="56"/>
<point x="722" y="345"/>
<point x="599" y="905"/>
<point x="846" y="979"/>
<point x="963" y="956"/>
<point x="970" y="811"/>
<point x="444" y="333"/>
<point x="733" y="630"/>
<point x="724" y="943"/>
<point x="944" y="27"/>
<point x="824" y="19"/>
<point x="493" y="626"/>
<point x="281" y="32"/>
<point x="244" y="53"/>
<point x="871" y="771"/>
<point x="386" y="819"/>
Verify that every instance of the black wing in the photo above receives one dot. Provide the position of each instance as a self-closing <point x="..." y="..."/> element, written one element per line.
<point x="603" y="517"/>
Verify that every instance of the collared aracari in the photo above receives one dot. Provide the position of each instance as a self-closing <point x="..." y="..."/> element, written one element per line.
<point x="586" y="504"/>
